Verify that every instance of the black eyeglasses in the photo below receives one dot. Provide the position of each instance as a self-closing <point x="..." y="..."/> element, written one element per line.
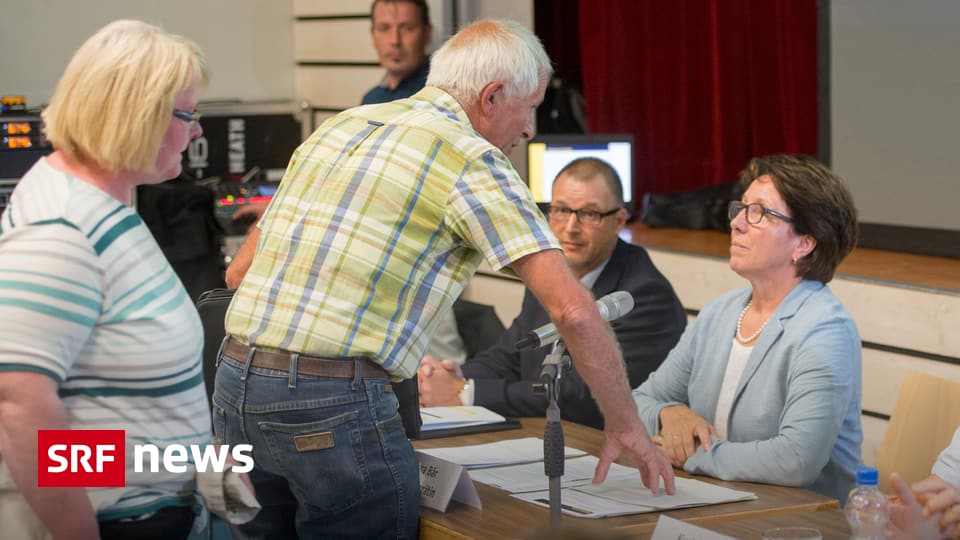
<point x="755" y="212"/>
<point x="190" y="117"/>
<point x="587" y="217"/>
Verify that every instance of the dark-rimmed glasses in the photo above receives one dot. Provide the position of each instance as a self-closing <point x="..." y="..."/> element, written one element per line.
<point x="755" y="212"/>
<point x="587" y="217"/>
<point x="190" y="117"/>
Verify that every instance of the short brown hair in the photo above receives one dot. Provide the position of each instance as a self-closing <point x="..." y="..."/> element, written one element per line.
<point x="422" y="4"/>
<point x="588" y="167"/>
<point x="820" y="204"/>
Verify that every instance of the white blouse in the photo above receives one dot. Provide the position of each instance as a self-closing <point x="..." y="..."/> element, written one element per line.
<point x="736" y="363"/>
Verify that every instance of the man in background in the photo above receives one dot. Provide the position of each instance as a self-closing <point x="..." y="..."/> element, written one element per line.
<point x="401" y="31"/>
<point x="585" y="213"/>
<point x="384" y="214"/>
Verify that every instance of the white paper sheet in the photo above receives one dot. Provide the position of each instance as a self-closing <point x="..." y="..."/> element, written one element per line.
<point x="461" y="416"/>
<point x="620" y="496"/>
<point x="530" y="476"/>
<point x="689" y="492"/>
<point x="671" y="529"/>
<point x="506" y="452"/>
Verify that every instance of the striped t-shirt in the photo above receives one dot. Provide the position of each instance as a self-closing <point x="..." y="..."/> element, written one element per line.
<point x="382" y="217"/>
<point x="87" y="298"/>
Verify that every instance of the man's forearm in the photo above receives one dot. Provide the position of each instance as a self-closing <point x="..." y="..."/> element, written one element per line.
<point x="600" y="363"/>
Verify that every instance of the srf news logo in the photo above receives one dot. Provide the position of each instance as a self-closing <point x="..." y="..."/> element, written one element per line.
<point x="98" y="458"/>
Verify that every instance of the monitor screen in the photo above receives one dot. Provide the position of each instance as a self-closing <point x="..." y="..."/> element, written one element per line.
<point x="548" y="154"/>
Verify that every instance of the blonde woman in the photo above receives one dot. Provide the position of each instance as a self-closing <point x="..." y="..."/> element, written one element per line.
<point x="96" y="331"/>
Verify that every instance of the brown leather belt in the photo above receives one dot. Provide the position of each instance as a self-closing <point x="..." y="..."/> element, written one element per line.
<point x="306" y="365"/>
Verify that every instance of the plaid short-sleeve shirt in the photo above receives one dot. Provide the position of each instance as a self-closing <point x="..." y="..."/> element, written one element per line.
<point x="384" y="213"/>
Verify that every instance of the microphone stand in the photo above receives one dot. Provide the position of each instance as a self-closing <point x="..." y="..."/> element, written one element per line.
<point x="553" y="455"/>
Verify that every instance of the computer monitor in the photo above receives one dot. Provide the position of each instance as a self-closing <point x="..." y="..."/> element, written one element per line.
<point x="548" y="154"/>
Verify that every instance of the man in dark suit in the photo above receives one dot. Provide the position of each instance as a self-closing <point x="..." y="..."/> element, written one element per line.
<point x="585" y="214"/>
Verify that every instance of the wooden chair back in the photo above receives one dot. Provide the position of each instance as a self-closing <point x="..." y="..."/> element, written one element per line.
<point x="926" y="414"/>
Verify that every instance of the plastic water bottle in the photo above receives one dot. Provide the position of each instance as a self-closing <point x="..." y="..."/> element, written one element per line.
<point x="867" y="509"/>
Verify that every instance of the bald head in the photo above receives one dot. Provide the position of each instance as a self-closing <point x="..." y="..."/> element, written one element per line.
<point x="589" y="167"/>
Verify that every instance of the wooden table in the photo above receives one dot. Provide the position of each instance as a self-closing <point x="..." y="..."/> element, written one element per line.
<point x="504" y="517"/>
<point x="832" y="524"/>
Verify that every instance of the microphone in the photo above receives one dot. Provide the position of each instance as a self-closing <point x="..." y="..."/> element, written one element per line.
<point x="554" y="361"/>
<point x="612" y="306"/>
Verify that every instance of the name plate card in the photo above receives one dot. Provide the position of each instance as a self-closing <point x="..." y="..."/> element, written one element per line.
<point x="442" y="481"/>
<point x="669" y="528"/>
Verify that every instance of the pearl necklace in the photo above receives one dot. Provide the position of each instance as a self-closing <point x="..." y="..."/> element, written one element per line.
<point x="753" y="336"/>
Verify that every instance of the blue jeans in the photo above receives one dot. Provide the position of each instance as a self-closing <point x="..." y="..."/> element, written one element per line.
<point x="331" y="456"/>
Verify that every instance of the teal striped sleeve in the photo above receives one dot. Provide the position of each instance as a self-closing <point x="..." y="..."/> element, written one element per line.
<point x="50" y="297"/>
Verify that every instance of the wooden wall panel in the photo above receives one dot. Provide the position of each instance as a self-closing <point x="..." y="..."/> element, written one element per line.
<point x="502" y="292"/>
<point x="335" y="87"/>
<point x="873" y="432"/>
<point x="905" y="317"/>
<point x="883" y="372"/>
<point x="697" y="279"/>
<point x="330" y="8"/>
<point x="333" y="40"/>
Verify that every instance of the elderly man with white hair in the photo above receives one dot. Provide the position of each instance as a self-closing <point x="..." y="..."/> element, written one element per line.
<point x="384" y="214"/>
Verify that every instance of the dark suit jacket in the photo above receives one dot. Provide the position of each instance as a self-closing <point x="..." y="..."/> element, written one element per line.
<point x="504" y="376"/>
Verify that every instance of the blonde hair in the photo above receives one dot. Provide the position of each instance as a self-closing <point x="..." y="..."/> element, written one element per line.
<point x="488" y="51"/>
<point x="114" y="101"/>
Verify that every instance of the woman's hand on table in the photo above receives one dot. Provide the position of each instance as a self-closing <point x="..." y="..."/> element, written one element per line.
<point x="681" y="432"/>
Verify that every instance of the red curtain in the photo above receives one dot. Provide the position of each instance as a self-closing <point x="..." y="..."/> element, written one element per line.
<point x="557" y="24"/>
<point x="704" y="85"/>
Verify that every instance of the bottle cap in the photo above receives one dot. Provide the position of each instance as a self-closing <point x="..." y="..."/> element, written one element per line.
<point x="867" y="476"/>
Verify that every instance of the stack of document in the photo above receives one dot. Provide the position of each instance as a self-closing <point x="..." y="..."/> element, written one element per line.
<point x="516" y="465"/>
<point x="530" y="477"/>
<point x="622" y="496"/>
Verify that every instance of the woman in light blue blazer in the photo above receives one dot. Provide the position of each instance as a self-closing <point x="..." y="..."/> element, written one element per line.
<point x="764" y="386"/>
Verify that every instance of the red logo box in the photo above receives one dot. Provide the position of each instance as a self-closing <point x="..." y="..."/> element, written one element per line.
<point x="81" y="458"/>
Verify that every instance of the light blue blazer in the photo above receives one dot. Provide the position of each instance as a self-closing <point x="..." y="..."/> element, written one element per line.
<point x="795" y="418"/>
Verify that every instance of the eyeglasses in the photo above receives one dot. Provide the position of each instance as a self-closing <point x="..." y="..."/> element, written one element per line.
<point x="587" y="217"/>
<point x="755" y="212"/>
<point x="190" y="117"/>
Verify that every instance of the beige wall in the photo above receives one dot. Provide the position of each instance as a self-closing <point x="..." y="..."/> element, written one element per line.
<point x="248" y="42"/>
<point x="894" y="84"/>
